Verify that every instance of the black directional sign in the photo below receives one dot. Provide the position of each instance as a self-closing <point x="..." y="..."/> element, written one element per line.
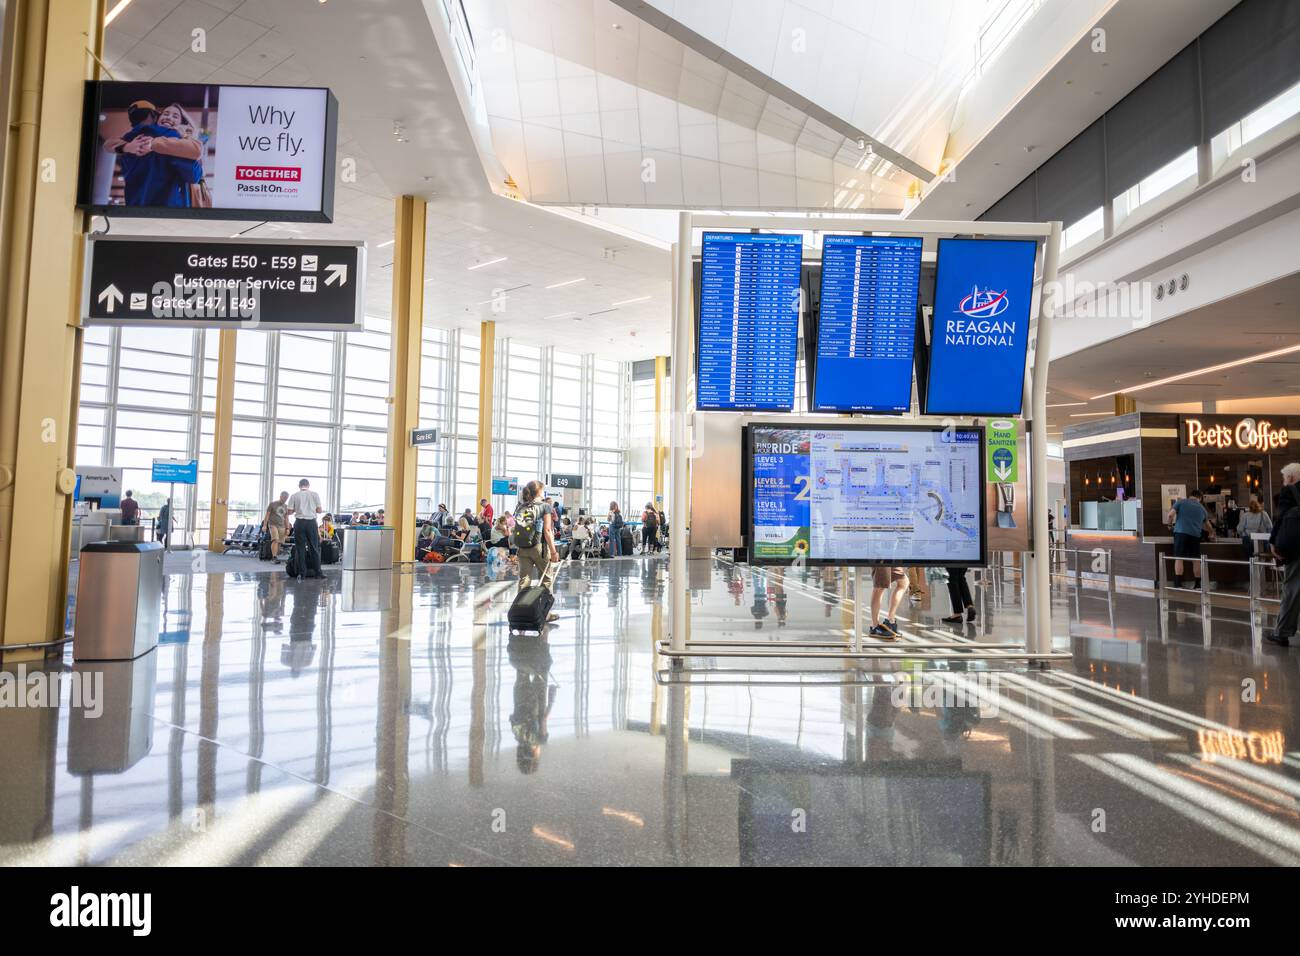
<point x="224" y="283"/>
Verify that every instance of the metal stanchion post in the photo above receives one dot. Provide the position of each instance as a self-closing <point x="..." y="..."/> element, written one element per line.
<point x="1205" y="599"/>
<point x="1256" y="624"/>
<point x="1162" y="593"/>
<point x="1078" y="572"/>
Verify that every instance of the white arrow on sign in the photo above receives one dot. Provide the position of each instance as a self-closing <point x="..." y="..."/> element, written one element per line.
<point x="113" y="295"/>
<point x="338" y="272"/>
<point x="1002" y="471"/>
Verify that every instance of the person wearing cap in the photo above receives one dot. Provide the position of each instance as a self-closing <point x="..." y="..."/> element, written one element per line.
<point x="156" y="172"/>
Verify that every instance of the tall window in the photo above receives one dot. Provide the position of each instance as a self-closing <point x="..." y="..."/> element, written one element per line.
<point x="315" y="405"/>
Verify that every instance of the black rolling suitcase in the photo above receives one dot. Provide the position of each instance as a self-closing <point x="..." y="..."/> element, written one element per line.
<point x="264" y="547"/>
<point x="292" y="564"/>
<point x="530" y="609"/>
<point x="330" y="552"/>
<point x="629" y="542"/>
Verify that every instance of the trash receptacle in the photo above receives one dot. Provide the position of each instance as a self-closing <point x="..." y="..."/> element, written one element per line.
<point x="119" y="590"/>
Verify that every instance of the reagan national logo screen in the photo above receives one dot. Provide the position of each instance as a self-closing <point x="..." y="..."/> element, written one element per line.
<point x="982" y="297"/>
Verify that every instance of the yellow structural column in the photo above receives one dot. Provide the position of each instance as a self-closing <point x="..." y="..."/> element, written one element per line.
<point x="406" y="337"/>
<point x="1125" y="405"/>
<point x="222" y="438"/>
<point x="40" y="282"/>
<point x="661" y="442"/>
<point x="487" y="341"/>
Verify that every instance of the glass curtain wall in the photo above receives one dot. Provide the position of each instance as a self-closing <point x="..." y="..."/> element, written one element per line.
<point x="314" y="405"/>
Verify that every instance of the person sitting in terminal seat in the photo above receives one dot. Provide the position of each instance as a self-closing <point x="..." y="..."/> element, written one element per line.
<point x="327" y="528"/>
<point x="130" y="510"/>
<point x="581" y="538"/>
<point x="1191" y="521"/>
<point x="881" y="580"/>
<point x="500" y="536"/>
<point x="441" y="519"/>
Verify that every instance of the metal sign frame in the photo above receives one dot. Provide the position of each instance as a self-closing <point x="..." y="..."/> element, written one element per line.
<point x="359" y="309"/>
<point x="1038" y="630"/>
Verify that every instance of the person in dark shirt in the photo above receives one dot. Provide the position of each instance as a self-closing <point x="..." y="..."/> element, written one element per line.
<point x="155" y="170"/>
<point x="130" y="509"/>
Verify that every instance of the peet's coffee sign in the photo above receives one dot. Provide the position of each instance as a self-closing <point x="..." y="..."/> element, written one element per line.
<point x="1208" y="433"/>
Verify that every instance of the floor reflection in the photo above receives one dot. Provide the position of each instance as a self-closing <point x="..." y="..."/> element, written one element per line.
<point x="390" y="718"/>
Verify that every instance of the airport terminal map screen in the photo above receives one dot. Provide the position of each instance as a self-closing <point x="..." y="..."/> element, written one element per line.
<point x="896" y="495"/>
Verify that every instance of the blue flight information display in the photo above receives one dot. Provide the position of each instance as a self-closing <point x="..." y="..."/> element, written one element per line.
<point x="749" y="321"/>
<point x="867" y="328"/>
<point x="982" y="296"/>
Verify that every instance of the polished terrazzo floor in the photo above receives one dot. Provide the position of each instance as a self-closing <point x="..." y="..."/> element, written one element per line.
<point x="379" y="718"/>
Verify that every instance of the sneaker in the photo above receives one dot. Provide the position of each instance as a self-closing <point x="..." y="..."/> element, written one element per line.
<point x="882" y="633"/>
<point x="914" y="599"/>
<point x="552" y="617"/>
<point x="1279" y="639"/>
<point x="954" y="618"/>
<point x="893" y="626"/>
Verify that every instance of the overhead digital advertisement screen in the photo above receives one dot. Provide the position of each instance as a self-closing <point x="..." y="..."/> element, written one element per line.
<point x="866" y="330"/>
<point x="201" y="150"/>
<point x="748" y="326"/>
<point x="982" y="298"/>
<point x="865" y="494"/>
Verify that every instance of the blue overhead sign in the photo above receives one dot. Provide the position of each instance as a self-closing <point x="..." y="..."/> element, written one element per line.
<point x="982" y="296"/>
<point x="180" y="471"/>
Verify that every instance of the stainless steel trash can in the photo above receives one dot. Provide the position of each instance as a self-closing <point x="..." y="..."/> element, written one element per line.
<point x="119" y="591"/>
<point x="368" y="549"/>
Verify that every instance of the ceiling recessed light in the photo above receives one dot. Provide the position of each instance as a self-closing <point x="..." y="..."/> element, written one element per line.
<point x="385" y="245"/>
<point x="559" y="285"/>
<point x="644" y="298"/>
<point x="112" y="14"/>
<point x="490" y="262"/>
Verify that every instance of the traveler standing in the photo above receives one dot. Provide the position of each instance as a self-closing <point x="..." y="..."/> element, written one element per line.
<point x="963" y="605"/>
<point x="649" y="528"/>
<point x="276" y="525"/>
<point x="1190" y="521"/>
<point x="163" y="529"/>
<point x="616" y="523"/>
<point x="1253" y="520"/>
<point x="534" y="539"/>
<point x="881" y="580"/>
<point x="305" y="506"/>
<point x="1285" y="543"/>
<point x="130" y="510"/>
<point x="484" y="518"/>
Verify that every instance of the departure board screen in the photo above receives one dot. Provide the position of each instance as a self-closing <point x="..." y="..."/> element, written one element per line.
<point x="867" y="327"/>
<point x="749" y="321"/>
<point x="896" y="495"/>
